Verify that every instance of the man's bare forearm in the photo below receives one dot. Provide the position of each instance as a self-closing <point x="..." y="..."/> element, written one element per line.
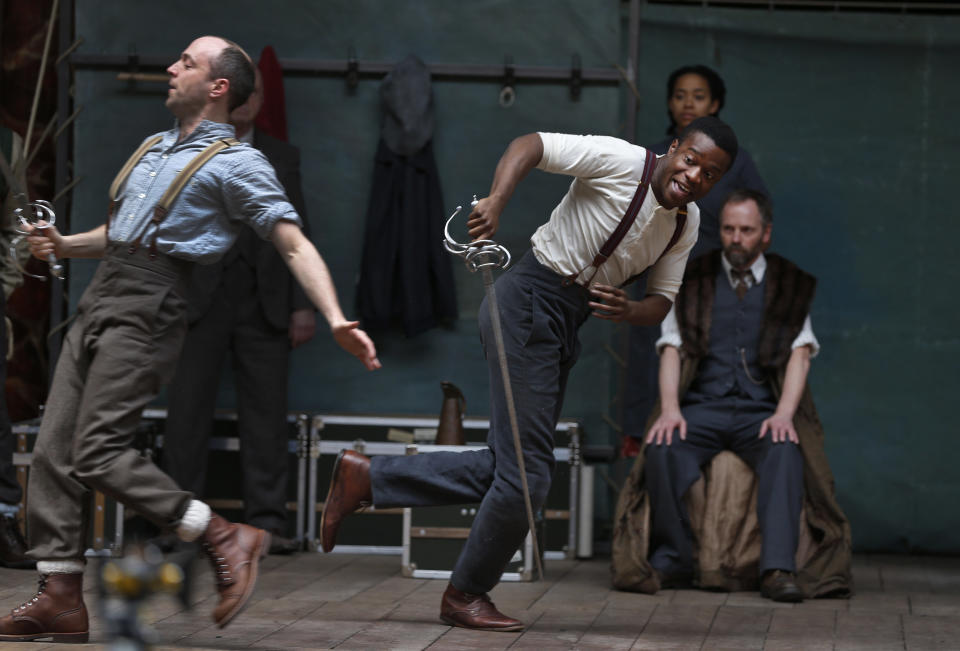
<point x="522" y="155"/>
<point x="794" y="380"/>
<point x="309" y="269"/>
<point x="648" y="311"/>
<point x="90" y="244"/>
<point x="669" y="379"/>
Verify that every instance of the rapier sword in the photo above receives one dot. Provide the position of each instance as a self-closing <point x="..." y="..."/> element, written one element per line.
<point x="485" y="256"/>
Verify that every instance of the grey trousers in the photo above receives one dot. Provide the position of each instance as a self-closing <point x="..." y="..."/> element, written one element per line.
<point x="121" y="349"/>
<point x="540" y="319"/>
<point x="712" y="426"/>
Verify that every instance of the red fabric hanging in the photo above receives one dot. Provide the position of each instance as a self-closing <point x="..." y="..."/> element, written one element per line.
<point x="272" y="118"/>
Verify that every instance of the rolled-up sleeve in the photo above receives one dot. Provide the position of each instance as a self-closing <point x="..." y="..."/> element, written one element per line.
<point x="807" y="338"/>
<point x="669" y="332"/>
<point x="254" y="195"/>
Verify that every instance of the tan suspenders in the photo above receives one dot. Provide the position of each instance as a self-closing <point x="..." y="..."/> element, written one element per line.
<point x="170" y="195"/>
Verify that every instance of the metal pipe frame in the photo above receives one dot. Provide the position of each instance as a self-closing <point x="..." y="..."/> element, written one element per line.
<point x="376" y="69"/>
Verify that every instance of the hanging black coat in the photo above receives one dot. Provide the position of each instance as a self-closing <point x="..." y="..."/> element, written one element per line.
<point x="405" y="275"/>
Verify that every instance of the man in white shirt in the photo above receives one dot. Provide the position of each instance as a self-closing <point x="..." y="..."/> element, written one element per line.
<point x="543" y="301"/>
<point x="740" y="343"/>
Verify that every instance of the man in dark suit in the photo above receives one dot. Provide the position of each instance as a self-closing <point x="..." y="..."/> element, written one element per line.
<point x="250" y="305"/>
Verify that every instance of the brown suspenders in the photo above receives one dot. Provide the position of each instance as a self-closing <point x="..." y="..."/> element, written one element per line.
<point x="630" y="216"/>
<point x="169" y="196"/>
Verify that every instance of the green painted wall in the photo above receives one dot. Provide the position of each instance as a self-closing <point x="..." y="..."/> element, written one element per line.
<point x="849" y="117"/>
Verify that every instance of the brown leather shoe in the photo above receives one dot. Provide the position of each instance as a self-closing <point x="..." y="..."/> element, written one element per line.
<point x="234" y="551"/>
<point x="56" y="612"/>
<point x="474" y="611"/>
<point x="780" y="585"/>
<point x="349" y="490"/>
<point x="13" y="548"/>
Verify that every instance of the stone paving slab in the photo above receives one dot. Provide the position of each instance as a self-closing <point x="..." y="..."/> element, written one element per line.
<point x="352" y="602"/>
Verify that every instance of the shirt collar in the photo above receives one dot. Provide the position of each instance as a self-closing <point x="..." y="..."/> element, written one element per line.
<point x="206" y="129"/>
<point x="758" y="268"/>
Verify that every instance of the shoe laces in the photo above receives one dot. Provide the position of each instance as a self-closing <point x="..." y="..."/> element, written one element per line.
<point x="29" y="602"/>
<point x="221" y="569"/>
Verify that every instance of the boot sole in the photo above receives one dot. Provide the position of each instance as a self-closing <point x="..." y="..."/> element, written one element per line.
<point x="69" y="638"/>
<point x="492" y="629"/>
<point x="323" y="514"/>
<point x="263" y="546"/>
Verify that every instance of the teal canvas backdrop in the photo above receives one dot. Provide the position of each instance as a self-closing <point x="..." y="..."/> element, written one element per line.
<point x="851" y="121"/>
<point x="848" y="116"/>
<point x="338" y="133"/>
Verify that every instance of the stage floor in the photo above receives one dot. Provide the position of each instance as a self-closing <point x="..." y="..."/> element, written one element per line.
<point x="317" y="601"/>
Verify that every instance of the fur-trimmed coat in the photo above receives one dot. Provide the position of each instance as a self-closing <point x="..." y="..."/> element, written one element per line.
<point x="723" y="510"/>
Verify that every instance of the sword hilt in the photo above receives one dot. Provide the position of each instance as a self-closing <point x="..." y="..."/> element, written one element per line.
<point x="479" y="254"/>
<point x="31" y="213"/>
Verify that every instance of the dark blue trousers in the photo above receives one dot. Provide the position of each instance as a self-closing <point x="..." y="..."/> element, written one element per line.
<point x="716" y="424"/>
<point x="540" y="319"/>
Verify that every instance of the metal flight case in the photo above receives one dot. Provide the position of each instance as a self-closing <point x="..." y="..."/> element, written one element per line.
<point x="105" y="530"/>
<point x="385" y="531"/>
<point x="224" y="483"/>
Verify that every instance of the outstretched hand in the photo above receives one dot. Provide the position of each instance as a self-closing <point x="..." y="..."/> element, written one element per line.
<point x="44" y="241"/>
<point x="484" y="219"/>
<point x="356" y="342"/>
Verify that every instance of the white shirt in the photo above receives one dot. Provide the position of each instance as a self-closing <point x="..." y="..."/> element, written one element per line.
<point x="670" y="330"/>
<point x="607" y="171"/>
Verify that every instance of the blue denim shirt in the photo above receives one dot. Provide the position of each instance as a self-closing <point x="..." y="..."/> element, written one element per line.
<point x="237" y="186"/>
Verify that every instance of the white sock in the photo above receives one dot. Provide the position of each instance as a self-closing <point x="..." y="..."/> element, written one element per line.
<point x="194" y="522"/>
<point x="60" y="567"/>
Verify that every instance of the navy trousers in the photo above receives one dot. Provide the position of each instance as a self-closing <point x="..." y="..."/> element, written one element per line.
<point x="713" y="425"/>
<point x="540" y="319"/>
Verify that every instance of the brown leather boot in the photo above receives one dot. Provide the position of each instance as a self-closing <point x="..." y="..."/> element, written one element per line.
<point x="474" y="611"/>
<point x="349" y="490"/>
<point x="234" y="551"/>
<point x="56" y="612"/>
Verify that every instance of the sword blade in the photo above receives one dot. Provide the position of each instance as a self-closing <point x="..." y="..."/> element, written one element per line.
<point x="491" y="293"/>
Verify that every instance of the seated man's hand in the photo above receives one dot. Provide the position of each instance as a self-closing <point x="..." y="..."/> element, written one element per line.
<point x="662" y="430"/>
<point x="356" y="342"/>
<point x="781" y="429"/>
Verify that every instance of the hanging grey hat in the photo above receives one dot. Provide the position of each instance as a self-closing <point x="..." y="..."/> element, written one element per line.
<point x="407" y="102"/>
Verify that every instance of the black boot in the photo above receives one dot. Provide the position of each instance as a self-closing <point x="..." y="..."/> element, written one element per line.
<point x="13" y="548"/>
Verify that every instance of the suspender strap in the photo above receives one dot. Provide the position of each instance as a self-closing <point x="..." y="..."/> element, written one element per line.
<point x="187" y="172"/>
<point x="649" y="165"/>
<point x="677" y="232"/>
<point x="173" y="191"/>
<point x="124" y="172"/>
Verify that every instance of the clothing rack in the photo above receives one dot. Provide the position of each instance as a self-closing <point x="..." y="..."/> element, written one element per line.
<point x="135" y="67"/>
